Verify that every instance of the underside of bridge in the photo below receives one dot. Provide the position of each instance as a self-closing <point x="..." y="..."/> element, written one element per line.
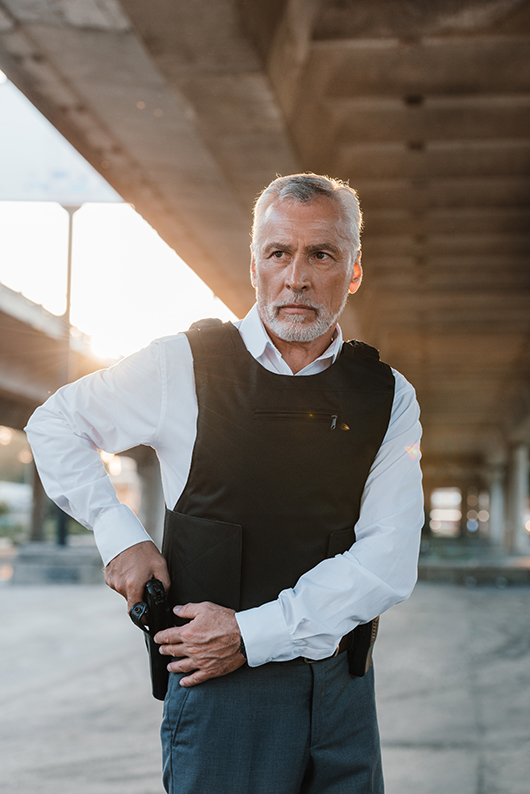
<point x="189" y="107"/>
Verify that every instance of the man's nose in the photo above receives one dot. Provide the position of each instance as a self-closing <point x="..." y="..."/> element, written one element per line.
<point x="297" y="276"/>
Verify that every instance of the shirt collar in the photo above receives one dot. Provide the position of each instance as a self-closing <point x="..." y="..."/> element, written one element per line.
<point x="257" y="340"/>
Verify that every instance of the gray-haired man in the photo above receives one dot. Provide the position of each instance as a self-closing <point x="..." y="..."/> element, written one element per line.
<point x="292" y="482"/>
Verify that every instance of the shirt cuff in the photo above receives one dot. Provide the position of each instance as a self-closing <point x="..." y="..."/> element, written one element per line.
<point x="116" y="530"/>
<point x="265" y="634"/>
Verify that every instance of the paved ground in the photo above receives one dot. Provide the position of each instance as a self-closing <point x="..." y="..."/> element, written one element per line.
<point x="76" y="715"/>
<point x="454" y="691"/>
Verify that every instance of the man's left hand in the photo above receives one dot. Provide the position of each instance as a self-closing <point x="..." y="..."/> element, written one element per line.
<point x="208" y="646"/>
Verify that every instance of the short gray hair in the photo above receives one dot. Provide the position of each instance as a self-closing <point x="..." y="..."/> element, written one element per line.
<point x="309" y="187"/>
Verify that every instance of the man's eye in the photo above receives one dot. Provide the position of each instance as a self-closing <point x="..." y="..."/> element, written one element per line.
<point x="321" y="255"/>
<point x="278" y="254"/>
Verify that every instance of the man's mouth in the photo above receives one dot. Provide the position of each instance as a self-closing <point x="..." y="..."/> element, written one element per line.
<point x="295" y="309"/>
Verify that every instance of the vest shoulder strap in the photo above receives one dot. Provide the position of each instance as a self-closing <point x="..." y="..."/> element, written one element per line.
<point x="206" y="322"/>
<point x="211" y="338"/>
<point x="361" y="349"/>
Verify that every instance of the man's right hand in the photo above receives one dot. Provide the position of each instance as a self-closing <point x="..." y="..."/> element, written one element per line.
<point x="129" y="571"/>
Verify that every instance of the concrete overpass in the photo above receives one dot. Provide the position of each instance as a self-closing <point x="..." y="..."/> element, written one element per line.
<point x="188" y="107"/>
<point x="39" y="352"/>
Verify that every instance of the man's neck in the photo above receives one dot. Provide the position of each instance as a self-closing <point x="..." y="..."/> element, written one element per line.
<point x="298" y="355"/>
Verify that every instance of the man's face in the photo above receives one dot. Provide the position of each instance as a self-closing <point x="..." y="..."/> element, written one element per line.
<point x="302" y="268"/>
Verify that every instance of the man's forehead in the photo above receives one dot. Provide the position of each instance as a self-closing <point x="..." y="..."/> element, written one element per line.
<point x="284" y="215"/>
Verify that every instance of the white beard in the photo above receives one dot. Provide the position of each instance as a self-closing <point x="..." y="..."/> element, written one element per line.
<point x="298" y="328"/>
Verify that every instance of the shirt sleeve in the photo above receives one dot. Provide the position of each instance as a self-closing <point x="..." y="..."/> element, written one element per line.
<point x="378" y="571"/>
<point x="111" y="410"/>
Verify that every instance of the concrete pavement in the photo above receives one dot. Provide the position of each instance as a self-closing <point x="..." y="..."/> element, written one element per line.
<point x="77" y="717"/>
<point x="453" y="676"/>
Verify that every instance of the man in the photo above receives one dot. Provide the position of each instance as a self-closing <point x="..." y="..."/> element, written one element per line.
<point x="294" y="509"/>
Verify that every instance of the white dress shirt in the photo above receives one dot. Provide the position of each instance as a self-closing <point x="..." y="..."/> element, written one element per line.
<point x="149" y="398"/>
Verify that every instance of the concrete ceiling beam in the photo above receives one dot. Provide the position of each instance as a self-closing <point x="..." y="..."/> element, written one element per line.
<point x="477" y="159"/>
<point x="290" y="49"/>
<point x="455" y="244"/>
<point x="447" y="220"/>
<point x="206" y="56"/>
<point x="431" y="66"/>
<point x="415" y="19"/>
<point x="444" y="193"/>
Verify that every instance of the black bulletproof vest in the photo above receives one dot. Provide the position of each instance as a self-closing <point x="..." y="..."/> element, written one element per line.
<point x="277" y="472"/>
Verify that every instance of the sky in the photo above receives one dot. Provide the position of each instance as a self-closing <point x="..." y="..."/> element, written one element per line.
<point x="128" y="285"/>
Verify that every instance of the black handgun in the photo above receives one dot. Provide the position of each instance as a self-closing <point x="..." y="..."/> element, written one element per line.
<point x="155" y="611"/>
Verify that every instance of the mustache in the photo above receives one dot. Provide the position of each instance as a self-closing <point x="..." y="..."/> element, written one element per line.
<point x="297" y="301"/>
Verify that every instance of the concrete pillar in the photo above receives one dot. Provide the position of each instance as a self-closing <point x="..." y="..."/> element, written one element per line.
<point x="38" y="507"/>
<point x="151" y="512"/>
<point x="518" y="540"/>
<point x="464" y="489"/>
<point x="497" y="505"/>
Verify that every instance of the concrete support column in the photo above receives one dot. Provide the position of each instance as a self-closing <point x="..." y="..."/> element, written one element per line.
<point x="464" y="489"/>
<point x="519" y="540"/>
<point x="497" y="505"/>
<point x="151" y="512"/>
<point x="38" y="507"/>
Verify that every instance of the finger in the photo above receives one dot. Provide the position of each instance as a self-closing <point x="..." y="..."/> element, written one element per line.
<point x="172" y="650"/>
<point x="189" y="610"/>
<point x="160" y="572"/>
<point x="134" y="595"/>
<point x="168" y="636"/>
<point x="182" y="666"/>
<point x="198" y="677"/>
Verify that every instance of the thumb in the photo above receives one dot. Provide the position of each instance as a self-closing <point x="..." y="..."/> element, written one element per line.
<point x="189" y="611"/>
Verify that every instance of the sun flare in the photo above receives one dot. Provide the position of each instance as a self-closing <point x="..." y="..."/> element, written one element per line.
<point x="128" y="285"/>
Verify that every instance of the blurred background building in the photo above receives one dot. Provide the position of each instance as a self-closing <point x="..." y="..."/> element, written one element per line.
<point x="188" y="108"/>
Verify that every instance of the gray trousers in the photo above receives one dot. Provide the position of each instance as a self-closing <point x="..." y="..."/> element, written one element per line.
<point x="281" y="728"/>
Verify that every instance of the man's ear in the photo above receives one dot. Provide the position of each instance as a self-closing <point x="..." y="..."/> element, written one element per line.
<point x="252" y="268"/>
<point x="357" y="276"/>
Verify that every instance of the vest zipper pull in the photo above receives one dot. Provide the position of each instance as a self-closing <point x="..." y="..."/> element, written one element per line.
<point x="334" y="418"/>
